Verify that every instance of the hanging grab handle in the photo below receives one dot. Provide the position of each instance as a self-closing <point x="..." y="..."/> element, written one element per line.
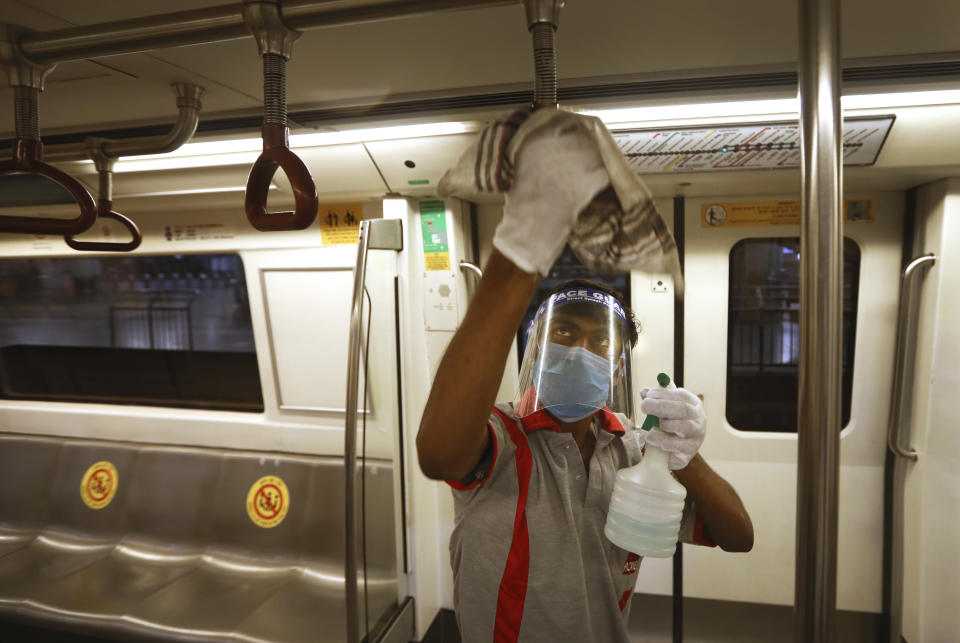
<point x="28" y="159"/>
<point x="105" y="211"/>
<point x="276" y="155"/>
<point x="275" y="44"/>
<point x="104" y="165"/>
<point x="104" y="152"/>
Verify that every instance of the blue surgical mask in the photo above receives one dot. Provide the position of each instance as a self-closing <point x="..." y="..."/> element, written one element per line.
<point x="571" y="382"/>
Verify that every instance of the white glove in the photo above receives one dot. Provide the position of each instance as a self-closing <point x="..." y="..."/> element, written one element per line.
<point x="558" y="172"/>
<point x="683" y="424"/>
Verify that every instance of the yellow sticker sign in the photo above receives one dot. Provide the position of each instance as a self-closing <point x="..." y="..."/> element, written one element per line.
<point x="99" y="485"/>
<point x="767" y="213"/>
<point x="437" y="260"/>
<point x="340" y="224"/>
<point x="268" y="502"/>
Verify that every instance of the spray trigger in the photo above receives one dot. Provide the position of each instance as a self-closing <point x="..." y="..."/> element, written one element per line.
<point x="652" y="421"/>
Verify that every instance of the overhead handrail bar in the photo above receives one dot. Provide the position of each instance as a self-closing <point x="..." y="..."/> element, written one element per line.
<point x="821" y="307"/>
<point x="275" y="43"/>
<point x="220" y="23"/>
<point x="899" y="423"/>
<point x="188" y="117"/>
<point x="27" y="78"/>
<point x="104" y="165"/>
<point x="903" y="361"/>
<point x="543" y="17"/>
<point x="375" y="234"/>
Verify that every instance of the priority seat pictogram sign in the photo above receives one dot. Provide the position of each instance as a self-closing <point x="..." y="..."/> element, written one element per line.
<point x="268" y="502"/>
<point x="99" y="485"/>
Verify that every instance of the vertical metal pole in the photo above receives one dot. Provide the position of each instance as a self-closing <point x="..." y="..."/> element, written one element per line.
<point x="543" y="16"/>
<point x="821" y="263"/>
<point x="679" y="236"/>
<point x="350" y="435"/>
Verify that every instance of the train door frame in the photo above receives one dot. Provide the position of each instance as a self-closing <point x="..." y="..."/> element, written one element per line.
<point x="707" y="261"/>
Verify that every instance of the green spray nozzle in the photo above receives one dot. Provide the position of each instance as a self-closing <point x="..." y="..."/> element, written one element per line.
<point x="652" y="421"/>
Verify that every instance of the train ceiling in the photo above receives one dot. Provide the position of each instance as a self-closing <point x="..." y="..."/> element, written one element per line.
<point x="471" y="64"/>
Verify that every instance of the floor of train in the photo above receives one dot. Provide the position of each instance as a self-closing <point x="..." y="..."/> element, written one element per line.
<point x="650" y="622"/>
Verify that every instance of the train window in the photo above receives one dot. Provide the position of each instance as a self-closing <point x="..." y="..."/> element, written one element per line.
<point x="763" y="339"/>
<point x="160" y="331"/>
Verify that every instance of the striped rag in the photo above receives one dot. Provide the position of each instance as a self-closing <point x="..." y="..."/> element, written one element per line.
<point x="620" y="229"/>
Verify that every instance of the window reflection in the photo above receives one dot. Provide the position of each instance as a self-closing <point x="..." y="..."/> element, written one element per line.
<point x="175" y="330"/>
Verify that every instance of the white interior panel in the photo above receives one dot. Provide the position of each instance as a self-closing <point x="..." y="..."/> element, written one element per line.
<point x="309" y="317"/>
<point x="341" y="170"/>
<point x="431" y="156"/>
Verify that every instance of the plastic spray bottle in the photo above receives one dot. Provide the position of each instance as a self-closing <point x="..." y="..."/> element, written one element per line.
<point x="647" y="502"/>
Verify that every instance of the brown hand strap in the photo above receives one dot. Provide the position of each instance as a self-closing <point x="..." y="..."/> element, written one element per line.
<point x="104" y="211"/>
<point x="276" y="155"/>
<point x="27" y="159"/>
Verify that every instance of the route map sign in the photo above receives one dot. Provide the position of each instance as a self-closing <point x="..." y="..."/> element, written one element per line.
<point x="742" y="147"/>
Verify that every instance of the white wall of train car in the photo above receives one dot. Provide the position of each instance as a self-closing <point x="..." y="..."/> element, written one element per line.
<point x="299" y="291"/>
<point x="432" y="304"/>
<point x="762" y="466"/>
<point x="294" y="431"/>
<point x="932" y="501"/>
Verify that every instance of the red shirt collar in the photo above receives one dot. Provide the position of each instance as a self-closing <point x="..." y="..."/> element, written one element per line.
<point x="540" y="419"/>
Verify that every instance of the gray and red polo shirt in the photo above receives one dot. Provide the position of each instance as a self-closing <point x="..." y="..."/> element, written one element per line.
<point x="530" y="561"/>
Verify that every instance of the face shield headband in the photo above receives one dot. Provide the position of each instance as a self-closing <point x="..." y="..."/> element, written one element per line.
<point x="577" y="359"/>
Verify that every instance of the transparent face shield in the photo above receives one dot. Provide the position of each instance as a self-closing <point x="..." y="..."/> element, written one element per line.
<point x="577" y="359"/>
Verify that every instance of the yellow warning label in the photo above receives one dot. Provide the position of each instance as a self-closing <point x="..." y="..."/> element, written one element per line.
<point x="437" y="260"/>
<point x="767" y="213"/>
<point x="268" y="502"/>
<point x="99" y="485"/>
<point x="340" y="224"/>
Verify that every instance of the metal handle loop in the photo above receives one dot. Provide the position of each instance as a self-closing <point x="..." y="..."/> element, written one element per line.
<point x="466" y="266"/>
<point x="350" y="431"/>
<point x="28" y="159"/>
<point x="276" y="155"/>
<point x="903" y="361"/>
<point x="104" y="211"/>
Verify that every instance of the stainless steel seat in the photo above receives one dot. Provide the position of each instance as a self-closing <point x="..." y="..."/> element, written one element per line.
<point x="174" y="556"/>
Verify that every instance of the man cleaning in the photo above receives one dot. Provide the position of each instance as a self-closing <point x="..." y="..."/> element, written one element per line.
<point x="532" y="479"/>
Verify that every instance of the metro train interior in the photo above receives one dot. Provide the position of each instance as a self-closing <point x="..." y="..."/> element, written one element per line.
<point x="208" y="407"/>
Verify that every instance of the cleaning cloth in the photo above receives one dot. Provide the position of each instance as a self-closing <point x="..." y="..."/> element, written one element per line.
<point x="619" y="228"/>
